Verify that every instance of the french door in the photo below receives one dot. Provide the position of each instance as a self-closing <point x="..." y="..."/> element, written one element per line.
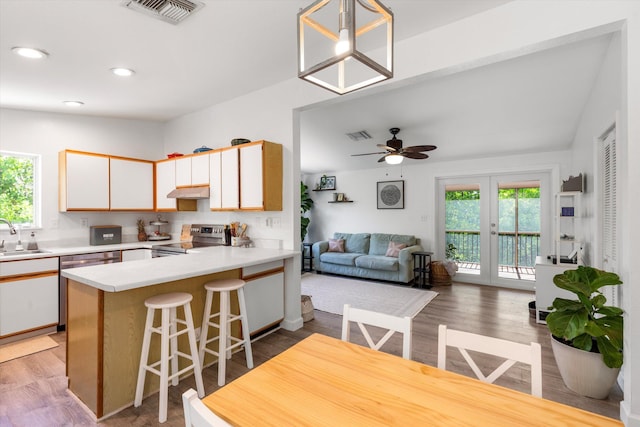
<point x="492" y="226"/>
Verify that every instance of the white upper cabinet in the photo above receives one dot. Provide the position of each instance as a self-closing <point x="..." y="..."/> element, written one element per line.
<point x="200" y="170"/>
<point x="165" y="183"/>
<point x="251" y="195"/>
<point x="229" y="182"/>
<point x="83" y="181"/>
<point x="261" y="176"/>
<point x="131" y="184"/>
<point x="215" y="186"/>
<point x="183" y="172"/>
<point x="192" y="171"/>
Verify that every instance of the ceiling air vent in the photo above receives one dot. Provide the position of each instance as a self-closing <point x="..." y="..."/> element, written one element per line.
<point x="173" y="11"/>
<point x="359" y="136"/>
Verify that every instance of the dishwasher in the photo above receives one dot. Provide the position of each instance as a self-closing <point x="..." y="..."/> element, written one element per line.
<point x="76" y="261"/>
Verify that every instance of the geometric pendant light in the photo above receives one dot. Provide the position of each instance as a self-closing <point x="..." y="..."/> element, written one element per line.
<point x="332" y="38"/>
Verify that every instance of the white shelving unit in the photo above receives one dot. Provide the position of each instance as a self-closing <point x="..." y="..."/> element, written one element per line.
<point x="567" y="237"/>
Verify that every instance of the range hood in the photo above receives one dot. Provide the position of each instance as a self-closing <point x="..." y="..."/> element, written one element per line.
<point x="189" y="193"/>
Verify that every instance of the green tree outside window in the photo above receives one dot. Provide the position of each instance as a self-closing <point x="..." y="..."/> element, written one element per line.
<point x="17" y="188"/>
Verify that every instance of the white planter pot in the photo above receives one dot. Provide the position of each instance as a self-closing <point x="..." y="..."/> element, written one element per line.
<point x="584" y="372"/>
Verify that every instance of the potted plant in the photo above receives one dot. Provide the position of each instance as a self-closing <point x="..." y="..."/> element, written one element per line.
<point x="306" y="203"/>
<point x="586" y="334"/>
<point x="142" y="233"/>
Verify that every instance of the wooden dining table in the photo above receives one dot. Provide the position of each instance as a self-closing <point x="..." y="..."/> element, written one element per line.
<point x="323" y="381"/>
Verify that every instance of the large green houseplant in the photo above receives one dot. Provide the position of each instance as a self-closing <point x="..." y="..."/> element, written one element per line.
<point x="589" y="325"/>
<point x="306" y="203"/>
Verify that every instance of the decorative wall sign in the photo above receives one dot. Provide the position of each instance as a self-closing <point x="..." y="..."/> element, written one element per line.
<point x="390" y="194"/>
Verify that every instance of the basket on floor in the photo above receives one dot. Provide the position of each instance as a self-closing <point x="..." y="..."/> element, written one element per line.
<point x="439" y="274"/>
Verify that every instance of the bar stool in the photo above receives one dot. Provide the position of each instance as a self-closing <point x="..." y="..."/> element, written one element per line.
<point x="168" y="330"/>
<point x="226" y="342"/>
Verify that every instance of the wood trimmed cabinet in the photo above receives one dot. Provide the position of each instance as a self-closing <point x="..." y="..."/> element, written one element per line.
<point x="165" y="182"/>
<point x="83" y="181"/>
<point x="99" y="182"/>
<point x="28" y="296"/>
<point x="246" y="177"/>
<point x="264" y="295"/>
<point x="131" y="184"/>
<point x="261" y="176"/>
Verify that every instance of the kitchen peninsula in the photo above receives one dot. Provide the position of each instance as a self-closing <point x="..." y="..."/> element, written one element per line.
<point x="106" y="312"/>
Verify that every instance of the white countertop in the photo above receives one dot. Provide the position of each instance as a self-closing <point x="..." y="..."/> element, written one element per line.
<point x="51" y="250"/>
<point x="137" y="274"/>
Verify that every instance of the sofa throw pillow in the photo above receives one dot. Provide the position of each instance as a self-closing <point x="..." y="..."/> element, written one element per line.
<point x="394" y="249"/>
<point x="336" y="245"/>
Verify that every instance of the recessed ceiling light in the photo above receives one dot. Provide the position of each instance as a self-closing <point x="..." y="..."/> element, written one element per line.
<point x="73" y="103"/>
<point x="29" y="52"/>
<point x="123" y="72"/>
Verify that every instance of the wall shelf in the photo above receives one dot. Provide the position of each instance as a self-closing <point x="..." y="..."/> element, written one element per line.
<point x="343" y="201"/>
<point x="324" y="189"/>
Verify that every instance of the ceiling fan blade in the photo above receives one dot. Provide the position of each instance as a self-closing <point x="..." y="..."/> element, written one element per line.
<point x="381" y="159"/>
<point x="417" y="148"/>
<point x="412" y="155"/>
<point x="386" y="147"/>
<point x="367" y="154"/>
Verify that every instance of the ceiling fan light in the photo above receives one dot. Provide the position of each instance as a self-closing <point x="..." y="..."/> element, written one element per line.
<point x="393" y="159"/>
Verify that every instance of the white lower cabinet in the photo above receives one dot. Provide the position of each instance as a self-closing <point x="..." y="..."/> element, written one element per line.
<point x="546" y="290"/>
<point x="135" y="254"/>
<point x="264" y="295"/>
<point x="28" y="295"/>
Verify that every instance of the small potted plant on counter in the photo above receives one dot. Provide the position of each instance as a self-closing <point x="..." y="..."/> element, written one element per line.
<point x="142" y="233"/>
<point x="586" y="334"/>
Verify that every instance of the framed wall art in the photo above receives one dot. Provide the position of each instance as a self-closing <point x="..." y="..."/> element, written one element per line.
<point x="390" y="194"/>
<point x="328" y="183"/>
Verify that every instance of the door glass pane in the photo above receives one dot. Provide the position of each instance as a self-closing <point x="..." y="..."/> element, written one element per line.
<point x="462" y="226"/>
<point x="518" y="229"/>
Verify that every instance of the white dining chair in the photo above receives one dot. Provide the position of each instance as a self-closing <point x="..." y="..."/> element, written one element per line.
<point x="196" y="414"/>
<point x="393" y="324"/>
<point x="529" y="354"/>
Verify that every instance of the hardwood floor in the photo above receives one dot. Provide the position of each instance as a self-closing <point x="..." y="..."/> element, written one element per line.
<point x="33" y="388"/>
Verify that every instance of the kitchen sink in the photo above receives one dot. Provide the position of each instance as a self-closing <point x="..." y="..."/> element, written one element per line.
<point x="24" y="252"/>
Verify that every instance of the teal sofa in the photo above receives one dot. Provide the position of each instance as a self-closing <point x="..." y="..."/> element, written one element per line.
<point x="364" y="256"/>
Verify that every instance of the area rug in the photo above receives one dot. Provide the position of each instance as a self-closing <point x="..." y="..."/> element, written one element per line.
<point x="331" y="293"/>
<point x="25" y="348"/>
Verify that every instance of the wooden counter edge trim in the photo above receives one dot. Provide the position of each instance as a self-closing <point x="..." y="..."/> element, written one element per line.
<point x="100" y="361"/>
<point x="263" y="274"/>
<point x="28" y="276"/>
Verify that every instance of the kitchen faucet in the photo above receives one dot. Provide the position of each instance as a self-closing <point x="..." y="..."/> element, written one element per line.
<point x="12" y="229"/>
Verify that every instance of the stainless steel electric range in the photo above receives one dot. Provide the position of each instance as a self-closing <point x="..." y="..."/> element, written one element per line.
<point x="203" y="235"/>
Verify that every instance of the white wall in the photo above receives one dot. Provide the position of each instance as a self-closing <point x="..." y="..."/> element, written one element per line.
<point x="47" y="134"/>
<point x="598" y="115"/>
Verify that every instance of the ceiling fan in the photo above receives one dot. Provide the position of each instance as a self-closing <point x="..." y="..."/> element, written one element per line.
<point x="394" y="151"/>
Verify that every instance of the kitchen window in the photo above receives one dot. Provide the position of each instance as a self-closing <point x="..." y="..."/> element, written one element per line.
<point x="20" y="189"/>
